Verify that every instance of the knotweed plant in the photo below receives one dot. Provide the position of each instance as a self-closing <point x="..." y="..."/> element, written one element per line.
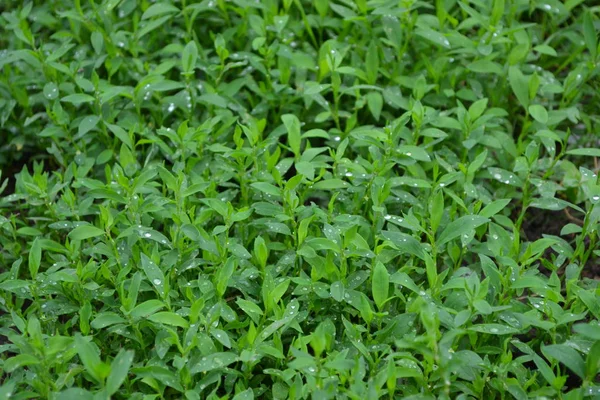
<point x="294" y="199"/>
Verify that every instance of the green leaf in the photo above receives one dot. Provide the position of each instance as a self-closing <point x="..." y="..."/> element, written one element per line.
<point x="97" y="41"/>
<point x="433" y="36"/>
<point x="491" y="271"/>
<point x="213" y="361"/>
<point x="337" y="291"/>
<point x="380" y="284"/>
<point x="550" y="203"/>
<point x="189" y="57"/>
<point x="330" y="184"/>
<point x="498" y="10"/>
<point x="506" y="177"/>
<point x="520" y="85"/>
<point x="545" y="49"/>
<point x="292" y="125"/>
<point x="584" y="152"/>
<point x="85" y="313"/>
<point x="75" y="393"/>
<point x="118" y="370"/>
<point x="19" y="361"/>
<point x="90" y="357"/>
<point x="494" y="207"/>
<point x="590" y="299"/>
<point x="223" y="276"/>
<point x="267" y="188"/>
<point x="372" y="63"/>
<point x="414" y="152"/>
<point x="409" y="181"/>
<point x="105" y="319"/>
<point x="494" y="329"/>
<point x="482" y="306"/>
<point x="159" y="9"/>
<point x="154" y="275"/>
<point x="401" y="278"/>
<point x="344" y="12"/>
<point x="120" y="134"/>
<point x="156" y="236"/>
<point x="592" y="363"/>
<point x="83" y="232"/>
<point x="477" y="108"/>
<point x="149" y="26"/>
<point x="567" y="356"/>
<point x="146" y="309"/>
<point x="514" y="388"/>
<point x="539" y="113"/>
<point x="485" y="67"/>
<point x="250" y="308"/>
<point x="322" y="6"/>
<point x="169" y="318"/>
<point x="87" y="124"/>
<point x="291" y="311"/>
<point x="464" y="225"/>
<point x="247" y="394"/>
<point x="375" y="104"/>
<point x="588" y="330"/>
<point x="218" y="205"/>
<point x="221" y="336"/>
<point x="477" y="162"/>
<point x="35" y="258"/>
<point x="213" y="99"/>
<point x="405" y="243"/>
<point x="78" y="98"/>
<point x="436" y="210"/>
<point x="589" y="33"/>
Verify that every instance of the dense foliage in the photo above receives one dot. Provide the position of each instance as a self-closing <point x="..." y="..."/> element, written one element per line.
<point x="293" y="199"/>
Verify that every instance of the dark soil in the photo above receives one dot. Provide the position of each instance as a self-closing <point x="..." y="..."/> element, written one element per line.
<point x="540" y="222"/>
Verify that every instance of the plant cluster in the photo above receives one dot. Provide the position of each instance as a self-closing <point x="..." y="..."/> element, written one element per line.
<point x="293" y="199"/>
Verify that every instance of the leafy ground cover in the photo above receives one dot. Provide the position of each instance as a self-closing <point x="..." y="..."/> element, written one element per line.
<point x="299" y="199"/>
